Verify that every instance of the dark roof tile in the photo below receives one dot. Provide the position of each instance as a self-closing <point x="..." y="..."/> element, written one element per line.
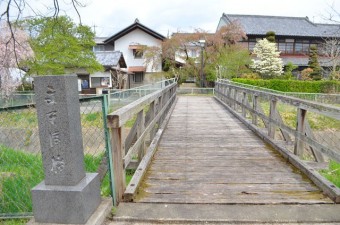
<point x="111" y="59"/>
<point x="285" y="26"/>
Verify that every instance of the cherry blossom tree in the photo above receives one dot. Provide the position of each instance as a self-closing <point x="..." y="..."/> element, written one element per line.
<point x="268" y="62"/>
<point x="12" y="53"/>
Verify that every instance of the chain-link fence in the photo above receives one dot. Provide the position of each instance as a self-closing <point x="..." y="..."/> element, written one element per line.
<point x="16" y="99"/>
<point x="120" y="98"/>
<point x="20" y="156"/>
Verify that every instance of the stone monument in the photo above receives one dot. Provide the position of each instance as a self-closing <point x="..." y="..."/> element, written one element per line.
<point x="68" y="195"/>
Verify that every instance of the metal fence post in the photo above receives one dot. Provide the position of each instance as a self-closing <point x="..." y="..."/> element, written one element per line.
<point x="108" y="149"/>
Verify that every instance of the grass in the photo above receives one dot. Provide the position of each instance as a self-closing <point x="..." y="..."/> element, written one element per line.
<point x="28" y="118"/>
<point x="317" y="122"/>
<point x="332" y="173"/>
<point x="129" y="174"/>
<point x="21" y="171"/>
<point x="23" y="118"/>
<point x="92" y="120"/>
<point x="13" y="222"/>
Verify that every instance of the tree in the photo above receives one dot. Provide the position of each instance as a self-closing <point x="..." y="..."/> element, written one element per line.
<point x="60" y="46"/>
<point x="184" y="50"/>
<point x="268" y="63"/>
<point x="13" y="11"/>
<point x="230" y="62"/>
<point x="331" y="49"/>
<point x="288" y="74"/>
<point x="12" y="53"/>
<point x="313" y="63"/>
<point x="270" y="36"/>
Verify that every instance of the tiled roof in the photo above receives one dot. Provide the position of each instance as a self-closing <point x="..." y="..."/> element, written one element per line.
<point x="286" y="26"/>
<point x="111" y="59"/>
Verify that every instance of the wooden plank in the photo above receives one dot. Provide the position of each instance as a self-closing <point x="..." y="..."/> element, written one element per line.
<point x="139" y="142"/>
<point x="118" y="167"/>
<point x="207" y="156"/>
<point x="140" y="129"/>
<point x="300" y="128"/>
<point x="335" y="155"/>
<point x="272" y="113"/>
<point x="134" y="184"/>
<point x="326" y="186"/>
<point x="255" y="106"/>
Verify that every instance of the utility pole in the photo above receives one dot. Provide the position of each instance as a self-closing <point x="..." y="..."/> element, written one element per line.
<point x="202" y="44"/>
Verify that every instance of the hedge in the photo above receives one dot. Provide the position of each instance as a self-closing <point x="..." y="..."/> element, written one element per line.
<point x="294" y="85"/>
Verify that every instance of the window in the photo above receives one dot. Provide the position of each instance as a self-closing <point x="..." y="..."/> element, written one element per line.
<point x="302" y="47"/>
<point x="193" y="53"/>
<point x="103" y="48"/>
<point x="100" y="82"/>
<point x="286" y="46"/>
<point x="251" y="44"/>
<point x="138" y="77"/>
<point x="84" y="84"/>
<point x="137" y="53"/>
<point x="105" y="81"/>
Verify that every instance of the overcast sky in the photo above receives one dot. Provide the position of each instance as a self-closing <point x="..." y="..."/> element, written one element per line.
<point x="110" y="16"/>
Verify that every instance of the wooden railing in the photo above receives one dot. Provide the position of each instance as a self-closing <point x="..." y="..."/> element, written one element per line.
<point x="262" y="112"/>
<point x="138" y="145"/>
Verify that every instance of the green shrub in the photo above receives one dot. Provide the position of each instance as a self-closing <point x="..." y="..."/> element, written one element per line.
<point x="294" y="85"/>
<point x="20" y="171"/>
<point x="332" y="173"/>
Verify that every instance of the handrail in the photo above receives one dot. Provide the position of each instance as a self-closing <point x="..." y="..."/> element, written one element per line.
<point x="127" y="96"/>
<point x="149" y="113"/>
<point x="301" y="105"/>
<point x="318" y="97"/>
<point x="247" y="105"/>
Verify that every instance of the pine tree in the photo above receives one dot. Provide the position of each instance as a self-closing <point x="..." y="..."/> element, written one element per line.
<point x="268" y="63"/>
<point x="313" y="63"/>
<point x="270" y="36"/>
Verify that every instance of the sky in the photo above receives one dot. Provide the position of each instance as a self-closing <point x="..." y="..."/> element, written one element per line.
<point x="108" y="17"/>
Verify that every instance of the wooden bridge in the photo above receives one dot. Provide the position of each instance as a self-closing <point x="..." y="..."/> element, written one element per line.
<point x="225" y="150"/>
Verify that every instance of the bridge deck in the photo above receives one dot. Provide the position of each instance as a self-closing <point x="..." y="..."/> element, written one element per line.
<point x="207" y="156"/>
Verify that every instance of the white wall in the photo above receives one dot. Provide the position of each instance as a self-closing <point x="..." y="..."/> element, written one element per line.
<point x="137" y="37"/>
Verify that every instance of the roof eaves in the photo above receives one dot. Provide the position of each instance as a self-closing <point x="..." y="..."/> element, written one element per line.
<point x="131" y="28"/>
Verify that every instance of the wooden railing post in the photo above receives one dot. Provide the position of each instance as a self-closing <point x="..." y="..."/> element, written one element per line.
<point x="224" y="95"/>
<point x="228" y="96"/>
<point x="150" y="117"/>
<point x="272" y="112"/>
<point x="244" y="102"/>
<point x="140" y="129"/>
<point x="255" y="102"/>
<point x="300" y="128"/>
<point x="118" y="165"/>
<point x="235" y="100"/>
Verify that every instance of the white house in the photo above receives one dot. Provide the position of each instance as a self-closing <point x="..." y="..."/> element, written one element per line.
<point x="133" y="42"/>
<point x="112" y="76"/>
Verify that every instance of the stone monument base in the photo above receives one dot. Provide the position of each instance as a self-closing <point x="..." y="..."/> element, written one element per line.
<point x="97" y="218"/>
<point x="66" y="204"/>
